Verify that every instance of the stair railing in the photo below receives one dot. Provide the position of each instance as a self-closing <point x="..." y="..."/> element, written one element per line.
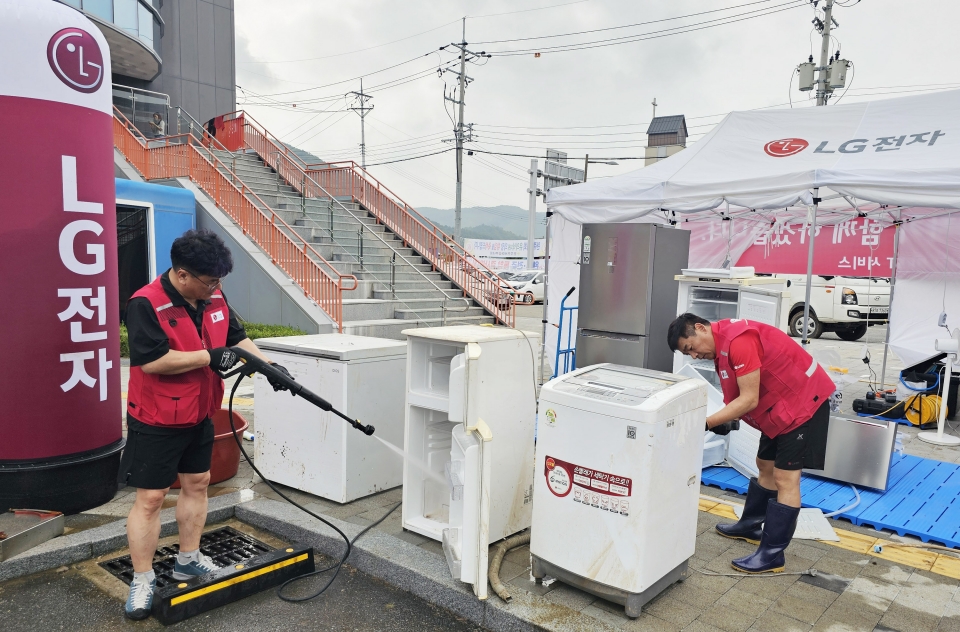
<point x="467" y="304"/>
<point x="347" y="179"/>
<point x="180" y="156"/>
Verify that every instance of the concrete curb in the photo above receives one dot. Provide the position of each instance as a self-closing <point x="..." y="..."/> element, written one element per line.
<point x="412" y="569"/>
<point x="84" y="545"/>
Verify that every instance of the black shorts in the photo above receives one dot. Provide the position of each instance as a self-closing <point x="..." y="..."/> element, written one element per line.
<point x="803" y="447"/>
<point x="154" y="455"/>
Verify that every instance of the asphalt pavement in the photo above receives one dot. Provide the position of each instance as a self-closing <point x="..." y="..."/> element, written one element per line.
<point x="66" y="599"/>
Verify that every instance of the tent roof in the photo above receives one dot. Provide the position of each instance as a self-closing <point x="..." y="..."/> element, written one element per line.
<point x="901" y="152"/>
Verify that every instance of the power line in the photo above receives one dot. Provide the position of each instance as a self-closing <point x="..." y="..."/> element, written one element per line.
<point x="500" y="153"/>
<point x="616" y="41"/>
<point x="390" y="162"/>
<point x="366" y="74"/>
<point x="359" y="50"/>
<point x="624" y="26"/>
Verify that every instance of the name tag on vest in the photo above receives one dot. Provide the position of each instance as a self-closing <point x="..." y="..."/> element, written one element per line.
<point x="216" y="316"/>
<point x="723" y="374"/>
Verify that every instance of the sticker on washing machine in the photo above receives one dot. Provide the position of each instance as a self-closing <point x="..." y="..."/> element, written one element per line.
<point x="551" y="416"/>
<point x="593" y="488"/>
<point x="558" y="477"/>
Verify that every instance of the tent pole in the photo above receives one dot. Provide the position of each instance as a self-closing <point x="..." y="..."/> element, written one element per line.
<point x="893" y="286"/>
<point x="546" y="294"/>
<point x="813" y="233"/>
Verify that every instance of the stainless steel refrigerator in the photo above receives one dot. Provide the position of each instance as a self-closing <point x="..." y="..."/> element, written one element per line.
<point x="628" y="294"/>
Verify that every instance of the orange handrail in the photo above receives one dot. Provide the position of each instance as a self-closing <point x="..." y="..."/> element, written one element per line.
<point x="183" y="156"/>
<point x="347" y="179"/>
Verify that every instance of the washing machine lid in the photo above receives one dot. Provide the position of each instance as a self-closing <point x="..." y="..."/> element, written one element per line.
<point x="623" y="385"/>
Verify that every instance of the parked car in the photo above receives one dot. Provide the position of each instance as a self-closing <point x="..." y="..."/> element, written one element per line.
<point x="528" y="286"/>
<point x="841" y="304"/>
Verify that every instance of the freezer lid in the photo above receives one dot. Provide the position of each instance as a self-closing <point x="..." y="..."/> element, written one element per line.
<point x="343" y="347"/>
<point x="627" y="386"/>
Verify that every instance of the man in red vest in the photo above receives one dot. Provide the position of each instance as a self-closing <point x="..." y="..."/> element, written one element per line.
<point x="180" y="330"/>
<point x="770" y="382"/>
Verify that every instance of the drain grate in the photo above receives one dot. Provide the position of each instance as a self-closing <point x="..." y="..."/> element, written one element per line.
<point x="225" y="546"/>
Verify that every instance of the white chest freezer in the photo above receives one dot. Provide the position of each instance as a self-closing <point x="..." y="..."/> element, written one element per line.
<point x="298" y="445"/>
<point x="471" y="407"/>
<point x="617" y="481"/>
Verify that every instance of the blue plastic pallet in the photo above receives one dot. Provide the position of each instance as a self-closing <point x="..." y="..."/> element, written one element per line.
<point x="922" y="498"/>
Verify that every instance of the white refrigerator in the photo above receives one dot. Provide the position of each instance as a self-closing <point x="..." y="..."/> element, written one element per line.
<point x="470" y="415"/>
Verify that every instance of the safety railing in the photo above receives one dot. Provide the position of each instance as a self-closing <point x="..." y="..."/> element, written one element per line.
<point x="363" y="236"/>
<point x="347" y="179"/>
<point x="184" y="156"/>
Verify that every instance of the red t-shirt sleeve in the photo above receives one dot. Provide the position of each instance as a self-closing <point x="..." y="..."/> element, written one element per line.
<point x="746" y="353"/>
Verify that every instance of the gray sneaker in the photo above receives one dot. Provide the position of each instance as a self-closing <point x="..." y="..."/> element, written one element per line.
<point x="140" y="600"/>
<point x="196" y="568"/>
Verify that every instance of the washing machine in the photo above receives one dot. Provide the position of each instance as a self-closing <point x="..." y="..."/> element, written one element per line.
<point x="617" y="481"/>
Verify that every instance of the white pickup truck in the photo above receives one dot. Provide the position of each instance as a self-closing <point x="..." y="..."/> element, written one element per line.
<point x="844" y="305"/>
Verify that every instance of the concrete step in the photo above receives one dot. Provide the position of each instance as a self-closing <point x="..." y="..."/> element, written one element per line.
<point x="408" y="295"/>
<point x="392" y="327"/>
<point x="437" y="312"/>
<point x="373" y="309"/>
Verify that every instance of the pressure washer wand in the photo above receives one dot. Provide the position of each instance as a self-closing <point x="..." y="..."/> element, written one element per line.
<point x="252" y="364"/>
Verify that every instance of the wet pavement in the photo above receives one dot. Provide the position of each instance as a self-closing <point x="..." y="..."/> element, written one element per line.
<point x="69" y="600"/>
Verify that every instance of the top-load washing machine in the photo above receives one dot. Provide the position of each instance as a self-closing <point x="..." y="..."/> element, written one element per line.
<point x="617" y="481"/>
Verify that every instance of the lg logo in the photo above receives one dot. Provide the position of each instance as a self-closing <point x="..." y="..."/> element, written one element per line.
<point x="785" y="147"/>
<point x="75" y="58"/>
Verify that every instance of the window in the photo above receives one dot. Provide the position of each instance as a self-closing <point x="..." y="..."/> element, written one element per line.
<point x="103" y="9"/>
<point x="146" y="25"/>
<point x="125" y="15"/>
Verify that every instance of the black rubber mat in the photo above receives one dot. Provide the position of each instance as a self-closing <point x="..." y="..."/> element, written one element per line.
<point x="225" y="546"/>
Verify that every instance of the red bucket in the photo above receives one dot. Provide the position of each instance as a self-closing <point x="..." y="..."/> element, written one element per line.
<point x="226" y="454"/>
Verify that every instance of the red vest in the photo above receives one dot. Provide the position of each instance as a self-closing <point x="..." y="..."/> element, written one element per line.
<point x="188" y="398"/>
<point x="792" y="385"/>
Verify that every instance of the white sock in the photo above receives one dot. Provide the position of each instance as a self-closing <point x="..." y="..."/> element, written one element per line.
<point x="185" y="557"/>
<point x="144" y="578"/>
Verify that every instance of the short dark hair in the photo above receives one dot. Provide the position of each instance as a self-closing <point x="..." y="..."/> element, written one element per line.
<point x="683" y="327"/>
<point x="201" y="252"/>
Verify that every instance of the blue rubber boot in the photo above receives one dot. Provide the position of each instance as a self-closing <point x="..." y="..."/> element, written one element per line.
<point x="778" y="530"/>
<point x="749" y="527"/>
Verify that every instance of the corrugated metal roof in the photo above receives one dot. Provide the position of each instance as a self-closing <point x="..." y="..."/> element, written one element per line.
<point x="667" y="124"/>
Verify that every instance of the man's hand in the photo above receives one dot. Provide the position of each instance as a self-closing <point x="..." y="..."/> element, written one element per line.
<point x="223" y="358"/>
<point x="725" y="428"/>
<point x="279" y="386"/>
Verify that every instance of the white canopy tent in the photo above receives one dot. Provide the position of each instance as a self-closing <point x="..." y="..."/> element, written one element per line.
<point x="890" y="160"/>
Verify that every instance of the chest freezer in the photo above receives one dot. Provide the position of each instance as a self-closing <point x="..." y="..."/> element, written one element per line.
<point x="470" y="414"/>
<point x="617" y="481"/>
<point x="298" y="445"/>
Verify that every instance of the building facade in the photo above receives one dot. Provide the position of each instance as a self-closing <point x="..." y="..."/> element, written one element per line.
<point x="184" y="50"/>
<point x="666" y="136"/>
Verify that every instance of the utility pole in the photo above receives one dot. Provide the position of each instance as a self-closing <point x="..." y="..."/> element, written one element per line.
<point x="824" y="75"/>
<point x="532" y="219"/>
<point x="654" y="104"/>
<point x="362" y="109"/>
<point x="462" y="133"/>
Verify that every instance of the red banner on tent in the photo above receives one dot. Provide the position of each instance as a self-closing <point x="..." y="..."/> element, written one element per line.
<point x="857" y="247"/>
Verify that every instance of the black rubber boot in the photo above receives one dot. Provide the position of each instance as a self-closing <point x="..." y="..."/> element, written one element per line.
<point x="778" y="530"/>
<point x="754" y="511"/>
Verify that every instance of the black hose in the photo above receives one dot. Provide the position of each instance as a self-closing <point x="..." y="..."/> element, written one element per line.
<point x="335" y="567"/>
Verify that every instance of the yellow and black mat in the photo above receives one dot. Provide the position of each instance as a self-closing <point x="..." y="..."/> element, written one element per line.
<point x="247" y="566"/>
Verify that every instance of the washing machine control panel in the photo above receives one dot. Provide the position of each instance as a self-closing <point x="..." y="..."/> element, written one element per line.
<point x="624" y="385"/>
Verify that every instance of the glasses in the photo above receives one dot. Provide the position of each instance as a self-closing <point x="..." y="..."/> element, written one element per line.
<point x="210" y="286"/>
